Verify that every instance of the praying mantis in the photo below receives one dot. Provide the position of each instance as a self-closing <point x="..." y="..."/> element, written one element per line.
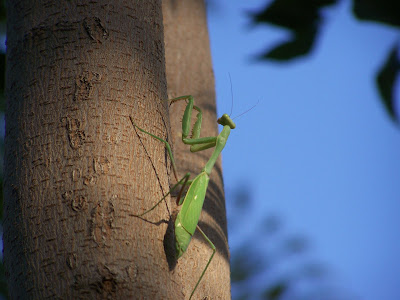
<point x="188" y="217"/>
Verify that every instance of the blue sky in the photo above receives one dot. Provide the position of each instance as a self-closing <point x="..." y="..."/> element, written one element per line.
<point x="321" y="152"/>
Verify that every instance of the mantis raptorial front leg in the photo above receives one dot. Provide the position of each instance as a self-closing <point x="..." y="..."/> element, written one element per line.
<point x="188" y="216"/>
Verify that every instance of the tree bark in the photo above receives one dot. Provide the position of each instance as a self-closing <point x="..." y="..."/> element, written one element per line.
<point x="189" y="72"/>
<point x="76" y="171"/>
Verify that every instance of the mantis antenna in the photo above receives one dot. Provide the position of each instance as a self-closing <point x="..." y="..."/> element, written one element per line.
<point x="230" y="80"/>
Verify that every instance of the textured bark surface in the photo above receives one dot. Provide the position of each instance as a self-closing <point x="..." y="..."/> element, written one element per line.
<point x="75" y="169"/>
<point x="189" y="72"/>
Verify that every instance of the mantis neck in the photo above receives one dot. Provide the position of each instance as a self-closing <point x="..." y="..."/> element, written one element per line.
<point x="220" y="144"/>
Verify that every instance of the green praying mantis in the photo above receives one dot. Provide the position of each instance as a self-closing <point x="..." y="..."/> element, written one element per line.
<point x="188" y="217"/>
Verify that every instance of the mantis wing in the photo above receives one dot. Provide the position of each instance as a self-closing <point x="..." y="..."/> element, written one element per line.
<point x="193" y="203"/>
<point x="188" y="217"/>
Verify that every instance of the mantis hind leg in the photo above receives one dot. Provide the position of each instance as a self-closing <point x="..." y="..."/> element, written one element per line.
<point x="208" y="263"/>
<point x="184" y="181"/>
<point x="167" y="146"/>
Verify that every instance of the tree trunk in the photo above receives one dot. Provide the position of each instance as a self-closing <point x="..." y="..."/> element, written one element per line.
<point x="189" y="72"/>
<point x="76" y="171"/>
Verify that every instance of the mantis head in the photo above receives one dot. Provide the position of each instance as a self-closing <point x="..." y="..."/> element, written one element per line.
<point x="226" y="120"/>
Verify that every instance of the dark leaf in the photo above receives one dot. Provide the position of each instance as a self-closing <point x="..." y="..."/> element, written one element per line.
<point x="385" y="11"/>
<point x="301" y="17"/>
<point x="296" y="245"/>
<point x="386" y="79"/>
<point x="314" y="270"/>
<point x="300" y="45"/>
<point x="1" y="195"/>
<point x="2" y="103"/>
<point x="2" y="71"/>
<point x="3" y="284"/>
<point x="292" y="14"/>
<point x="242" y="198"/>
<point x="244" y="265"/>
<point x="276" y="291"/>
<point x="2" y="11"/>
<point x="271" y="224"/>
